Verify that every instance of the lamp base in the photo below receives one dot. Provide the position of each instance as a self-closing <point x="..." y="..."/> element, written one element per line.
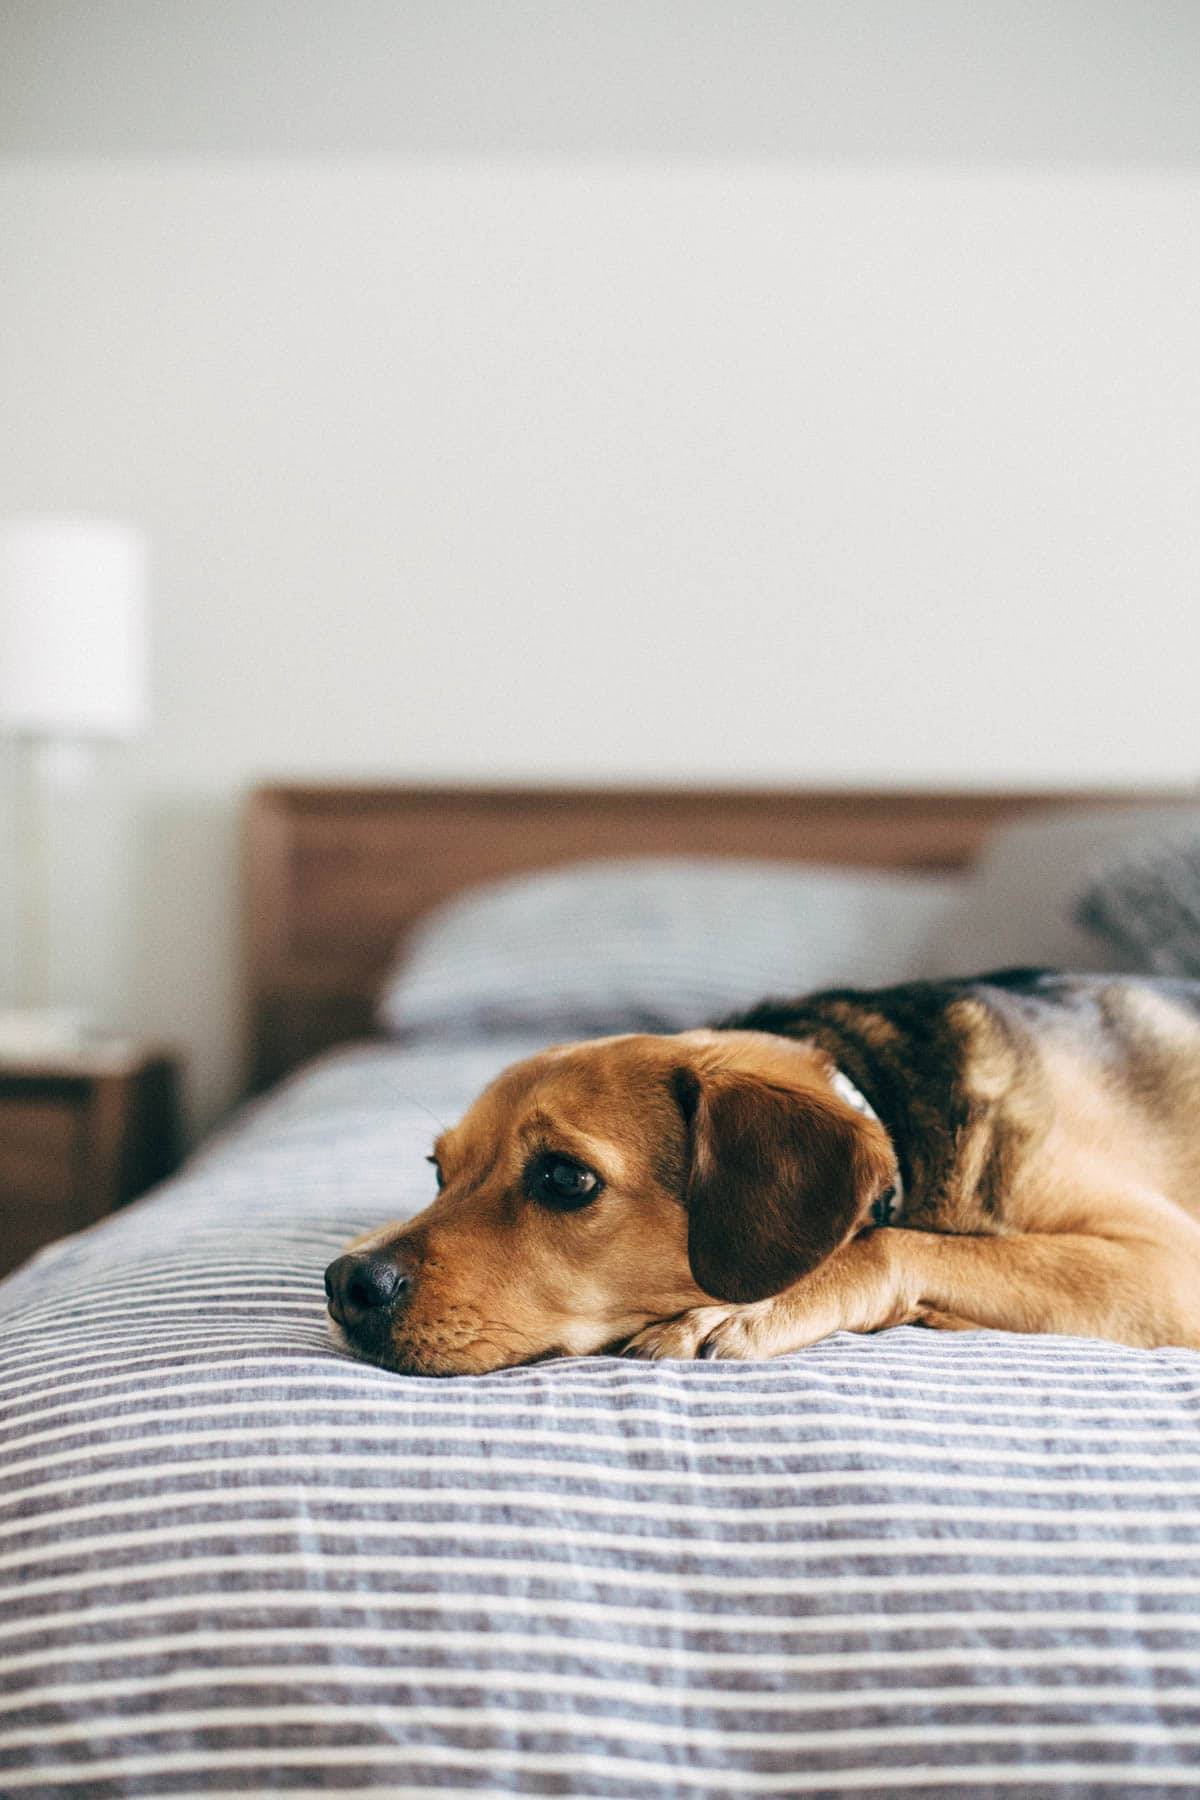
<point x="27" y="1033"/>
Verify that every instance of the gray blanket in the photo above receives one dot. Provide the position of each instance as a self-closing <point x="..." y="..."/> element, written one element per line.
<point x="235" y="1561"/>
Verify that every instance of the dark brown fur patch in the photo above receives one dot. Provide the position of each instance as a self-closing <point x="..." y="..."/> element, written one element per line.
<point x="777" y="1178"/>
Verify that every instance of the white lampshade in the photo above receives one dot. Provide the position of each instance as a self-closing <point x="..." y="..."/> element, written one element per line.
<point x="73" y="628"/>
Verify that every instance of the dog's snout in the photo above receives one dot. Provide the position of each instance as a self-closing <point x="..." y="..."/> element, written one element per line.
<point x="358" y="1286"/>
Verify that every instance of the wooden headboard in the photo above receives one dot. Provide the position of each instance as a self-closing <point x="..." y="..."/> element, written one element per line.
<point x="337" y="875"/>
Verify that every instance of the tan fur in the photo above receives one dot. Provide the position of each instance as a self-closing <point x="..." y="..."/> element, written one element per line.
<point x="1098" y="1234"/>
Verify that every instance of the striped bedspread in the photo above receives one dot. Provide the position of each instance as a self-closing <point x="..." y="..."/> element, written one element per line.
<point x="235" y="1561"/>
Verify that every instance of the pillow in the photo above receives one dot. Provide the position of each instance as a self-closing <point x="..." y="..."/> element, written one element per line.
<point x="1147" y="903"/>
<point x="656" y="945"/>
<point x="1021" y="905"/>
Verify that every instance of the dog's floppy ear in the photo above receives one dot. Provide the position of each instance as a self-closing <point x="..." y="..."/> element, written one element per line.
<point x="776" y="1179"/>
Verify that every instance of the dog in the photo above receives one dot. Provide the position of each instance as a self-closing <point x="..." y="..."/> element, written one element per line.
<point x="1019" y="1151"/>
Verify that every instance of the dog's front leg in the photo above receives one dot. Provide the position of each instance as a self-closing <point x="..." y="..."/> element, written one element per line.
<point x="856" y="1289"/>
<point x="1133" y="1291"/>
<point x="1142" y="1290"/>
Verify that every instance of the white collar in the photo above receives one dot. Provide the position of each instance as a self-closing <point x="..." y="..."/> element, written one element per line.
<point x="888" y="1208"/>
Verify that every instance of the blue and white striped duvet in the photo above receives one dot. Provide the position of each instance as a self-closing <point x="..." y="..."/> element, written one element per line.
<point x="234" y="1561"/>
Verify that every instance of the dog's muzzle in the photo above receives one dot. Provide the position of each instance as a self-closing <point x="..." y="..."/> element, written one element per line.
<point x="364" y="1295"/>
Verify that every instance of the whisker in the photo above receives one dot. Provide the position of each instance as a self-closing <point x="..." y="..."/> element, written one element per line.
<point x="504" y="1326"/>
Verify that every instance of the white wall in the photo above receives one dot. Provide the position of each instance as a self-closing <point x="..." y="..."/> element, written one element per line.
<point x="752" y="464"/>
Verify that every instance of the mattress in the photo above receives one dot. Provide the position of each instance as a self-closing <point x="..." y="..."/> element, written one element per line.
<point x="234" y="1560"/>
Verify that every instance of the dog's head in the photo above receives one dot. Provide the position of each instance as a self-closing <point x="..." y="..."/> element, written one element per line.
<point x="603" y="1185"/>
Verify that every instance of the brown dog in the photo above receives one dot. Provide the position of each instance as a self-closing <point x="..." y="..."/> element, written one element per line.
<point x="1020" y="1151"/>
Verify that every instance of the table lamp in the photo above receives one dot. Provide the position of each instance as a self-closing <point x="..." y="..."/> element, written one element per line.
<point x="73" y="673"/>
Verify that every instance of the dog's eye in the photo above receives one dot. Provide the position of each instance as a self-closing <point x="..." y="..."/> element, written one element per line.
<point x="562" y="1184"/>
<point x="437" y="1170"/>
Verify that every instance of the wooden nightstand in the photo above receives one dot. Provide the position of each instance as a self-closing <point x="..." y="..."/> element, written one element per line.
<point x="80" y="1135"/>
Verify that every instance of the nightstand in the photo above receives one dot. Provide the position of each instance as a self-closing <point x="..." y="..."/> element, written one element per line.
<point x="80" y="1135"/>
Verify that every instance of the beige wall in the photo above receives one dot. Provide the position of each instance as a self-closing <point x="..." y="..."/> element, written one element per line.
<point x="724" y="460"/>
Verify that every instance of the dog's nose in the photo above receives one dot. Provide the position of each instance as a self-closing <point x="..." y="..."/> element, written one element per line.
<point x="360" y="1285"/>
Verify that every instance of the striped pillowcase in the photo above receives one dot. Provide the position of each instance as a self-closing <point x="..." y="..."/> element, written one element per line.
<point x="656" y="945"/>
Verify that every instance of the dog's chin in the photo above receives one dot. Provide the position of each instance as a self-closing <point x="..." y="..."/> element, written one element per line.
<point x="404" y="1357"/>
<point x="380" y="1356"/>
<point x="383" y="1352"/>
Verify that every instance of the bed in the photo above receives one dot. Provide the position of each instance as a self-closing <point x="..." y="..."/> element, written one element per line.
<point x="234" y="1560"/>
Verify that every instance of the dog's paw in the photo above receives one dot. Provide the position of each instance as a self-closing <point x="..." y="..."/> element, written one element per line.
<point x="745" y="1334"/>
<point x="752" y="1333"/>
<point x="681" y="1338"/>
<point x="731" y="1333"/>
